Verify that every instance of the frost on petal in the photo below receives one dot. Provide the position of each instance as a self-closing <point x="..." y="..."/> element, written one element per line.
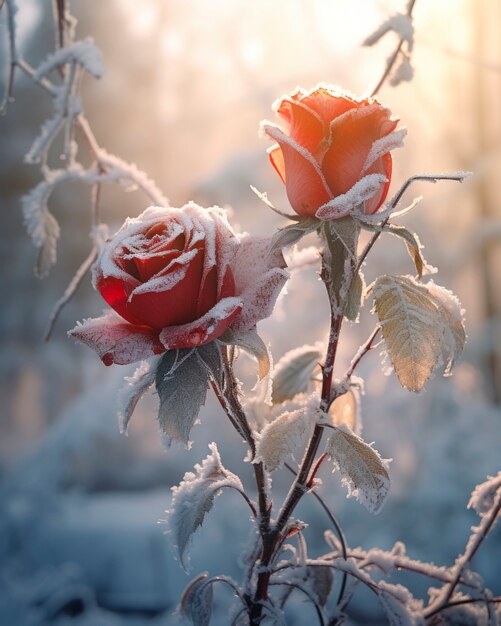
<point x="194" y="497"/>
<point x="305" y="183"/>
<point x="344" y="204"/>
<point x="117" y="341"/>
<point x="259" y="276"/>
<point x="364" y="472"/>
<point x="136" y="386"/>
<point x="384" y="145"/>
<point x="210" y="326"/>
<point x="284" y="437"/>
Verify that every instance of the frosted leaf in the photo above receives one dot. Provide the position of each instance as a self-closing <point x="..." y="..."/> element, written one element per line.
<point x="364" y="472"/>
<point x="194" y="497"/>
<point x="292" y="374"/>
<point x="66" y="107"/>
<point x="182" y="381"/>
<point x="412" y="327"/>
<point x="346" y="410"/>
<point x="117" y="341"/>
<point x="453" y="316"/>
<point x="136" y="386"/>
<point x="83" y="52"/>
<point x="403" y="72"/>
<point x="483" y="496"/>
<point x="196" y="601"/>
<point x="259" y="276"/>
<point x="291" y="234"/>
<point x="41" y="225"/>
<point x="284" y="437"/>
<point x="384" y="145"/>
<point x="252" y="343"/>
<point x="399" y="23"/>
<point x="343" y="205"/>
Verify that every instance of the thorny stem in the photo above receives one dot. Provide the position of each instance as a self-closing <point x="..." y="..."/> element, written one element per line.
<point x="302" y="482"/>
<point x="393" y="59"/>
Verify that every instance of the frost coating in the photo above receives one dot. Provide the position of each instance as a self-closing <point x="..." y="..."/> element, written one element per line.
<point x="286" y="434"/>
<point x="83" y="52"/>
<point x="344" y="204"/>
<point x="363" y="471"/>
<point x="136" y="386"/>
<point x="194" y="497"/>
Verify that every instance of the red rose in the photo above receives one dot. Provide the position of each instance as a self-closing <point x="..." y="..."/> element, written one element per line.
<point x="335" y="153"/>
<point x="178" y="278"/>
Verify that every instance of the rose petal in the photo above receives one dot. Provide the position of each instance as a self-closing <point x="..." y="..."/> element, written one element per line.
<point x="259" y="277"/>
<point x="384" y="166"/>
<point x="304" y="182"/>
<point x="171" y="299"/>
<point x="305" y="126"/>
<point x="209" y="327"/>
<point x="328" y="103"/>
<point x="116" y="341"/>
<point x="116" y="293"/>
<point x="352" y="137"/>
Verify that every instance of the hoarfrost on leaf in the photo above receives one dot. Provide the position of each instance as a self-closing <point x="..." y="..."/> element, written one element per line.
<point x="182" y="381"/>
<point x="284" y="436"/>
<point x="252" y="343"/>
<point x="363" y="470"/>
<point x="196" y="601"/>
<point x="194" y="497"/>
<point x="419" y="323"/>
<point x="346" y="410"/>
<point x="136" y="386"/>
<point x="292" y="374"/>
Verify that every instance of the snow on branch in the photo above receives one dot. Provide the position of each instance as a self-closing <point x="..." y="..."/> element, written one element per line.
<point x="83" y="52"/>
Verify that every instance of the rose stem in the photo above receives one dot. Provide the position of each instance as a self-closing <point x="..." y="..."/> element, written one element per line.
<point x="301" y="483"/>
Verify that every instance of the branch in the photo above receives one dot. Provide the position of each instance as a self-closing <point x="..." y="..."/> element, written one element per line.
<point x="393" y="59"/>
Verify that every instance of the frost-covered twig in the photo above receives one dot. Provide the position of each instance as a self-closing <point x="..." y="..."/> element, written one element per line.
<point x="431" y="178"/>
<point x="362" y="351"/>
<point x="394" y="57"/>
<point x="479" y="533"/>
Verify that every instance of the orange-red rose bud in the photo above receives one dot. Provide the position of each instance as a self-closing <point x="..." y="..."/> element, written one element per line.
<point x="333" y="152"/>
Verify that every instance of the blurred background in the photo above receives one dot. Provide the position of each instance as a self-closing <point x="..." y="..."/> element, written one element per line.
<point x="185" y="87"/>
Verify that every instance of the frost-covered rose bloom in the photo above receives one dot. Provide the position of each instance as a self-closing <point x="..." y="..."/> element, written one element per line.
<point x="178" y="278"/>
<point x="333" y="152"/>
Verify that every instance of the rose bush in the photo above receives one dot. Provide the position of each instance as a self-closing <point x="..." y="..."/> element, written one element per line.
<point x="178" y="278"/>
<point x="334" y="153"/>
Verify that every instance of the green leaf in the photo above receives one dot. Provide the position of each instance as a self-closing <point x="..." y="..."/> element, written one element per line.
<point x="355" y="297"/>
<point x="292" y="374"/>
<point x="339" y="258"/>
